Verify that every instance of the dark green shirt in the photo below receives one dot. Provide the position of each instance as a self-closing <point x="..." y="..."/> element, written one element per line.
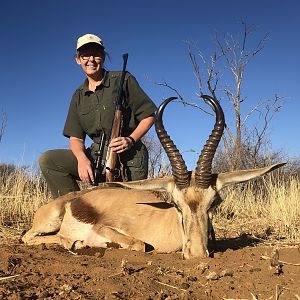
<point x="91" y="113"/>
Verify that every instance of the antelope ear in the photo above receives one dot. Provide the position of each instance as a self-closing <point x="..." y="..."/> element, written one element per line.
<point x="225" y="179"/>
<point x="153" y="184"/>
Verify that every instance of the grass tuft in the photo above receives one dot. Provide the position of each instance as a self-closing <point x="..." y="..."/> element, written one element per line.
<point x="268" y="209"/>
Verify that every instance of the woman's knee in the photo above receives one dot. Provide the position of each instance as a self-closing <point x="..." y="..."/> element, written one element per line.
<point x="46" y="160"/>
<point x="60" y="160"/>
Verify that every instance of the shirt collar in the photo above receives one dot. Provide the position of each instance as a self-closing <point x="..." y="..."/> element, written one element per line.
<point x="106" y="83"/>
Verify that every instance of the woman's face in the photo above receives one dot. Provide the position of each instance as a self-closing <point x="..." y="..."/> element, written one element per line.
<point x="91" y="57"/>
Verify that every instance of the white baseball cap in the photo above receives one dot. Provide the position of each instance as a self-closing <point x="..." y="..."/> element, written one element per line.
<point x="89" y="38"/>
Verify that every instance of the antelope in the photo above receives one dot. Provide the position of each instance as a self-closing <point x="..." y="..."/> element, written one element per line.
<point x="134" y="216"/>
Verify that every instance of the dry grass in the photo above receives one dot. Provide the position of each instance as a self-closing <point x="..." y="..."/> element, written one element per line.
<point x="268" y="209"/>
<point x="22" y="192"/>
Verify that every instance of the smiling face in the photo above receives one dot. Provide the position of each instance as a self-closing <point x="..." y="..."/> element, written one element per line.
<point x="91" y="58"/>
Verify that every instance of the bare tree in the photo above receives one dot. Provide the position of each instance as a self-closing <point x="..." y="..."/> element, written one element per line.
<point x="223" y="76"/>
<point x="3" y="125"/>
<point x="158" y="165"/>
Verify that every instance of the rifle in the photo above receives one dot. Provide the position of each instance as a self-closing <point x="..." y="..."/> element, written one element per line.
<point x="111" y="157"/>
<point x="98" y="166"/>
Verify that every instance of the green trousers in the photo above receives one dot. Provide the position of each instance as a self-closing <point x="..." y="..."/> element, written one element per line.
<point x="60" y="168"/>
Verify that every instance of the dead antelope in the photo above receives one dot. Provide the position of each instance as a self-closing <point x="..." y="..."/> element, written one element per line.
<point x="136" y="216"/>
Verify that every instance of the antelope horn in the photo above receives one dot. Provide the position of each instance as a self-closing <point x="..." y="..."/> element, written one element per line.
<point x="203" y="174"/>
<point x="179" y="169"/>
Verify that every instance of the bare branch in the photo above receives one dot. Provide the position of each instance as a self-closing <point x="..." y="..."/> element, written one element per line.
<point x="184" y="102"/>
<point x="245" y="36"/>
<point x="196" y="70"/>
<point x="254" y="109"/>
<point x="165" y="84"/>
<point x="270" y="106"/>
<point x="3" y="125"/>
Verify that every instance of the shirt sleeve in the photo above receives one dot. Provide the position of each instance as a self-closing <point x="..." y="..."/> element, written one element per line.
<point x="141" y="105"/>
<point x="72" y="125"/>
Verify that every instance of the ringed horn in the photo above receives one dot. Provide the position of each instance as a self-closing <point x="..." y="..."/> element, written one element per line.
<point x="180" y="172"/>
<point x="182" y="176"/>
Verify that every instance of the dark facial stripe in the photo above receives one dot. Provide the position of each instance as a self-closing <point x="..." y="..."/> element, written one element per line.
<point x="193" y="206"/>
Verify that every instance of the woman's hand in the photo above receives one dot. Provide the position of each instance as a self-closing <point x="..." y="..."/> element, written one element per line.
<point x="121" y="144"/>
<point x="85" y="170"/>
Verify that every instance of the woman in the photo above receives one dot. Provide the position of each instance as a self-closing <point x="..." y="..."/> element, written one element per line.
<point x="91" y="113"/>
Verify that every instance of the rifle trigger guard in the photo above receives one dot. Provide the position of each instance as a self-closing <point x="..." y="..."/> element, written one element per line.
<point x="116" y="172"/>
<point x="109" y="169"/>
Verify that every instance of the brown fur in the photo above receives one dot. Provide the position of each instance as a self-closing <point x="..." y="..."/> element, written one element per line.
<point x="84" y="212"/>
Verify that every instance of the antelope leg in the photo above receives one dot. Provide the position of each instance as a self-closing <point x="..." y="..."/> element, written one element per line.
<point x="101" y="235"/>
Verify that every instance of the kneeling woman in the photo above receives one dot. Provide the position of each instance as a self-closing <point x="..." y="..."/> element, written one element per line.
<point x="91" y="113"/>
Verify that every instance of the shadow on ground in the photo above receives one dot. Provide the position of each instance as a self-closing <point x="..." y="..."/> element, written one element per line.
<point x="222" y="245"/>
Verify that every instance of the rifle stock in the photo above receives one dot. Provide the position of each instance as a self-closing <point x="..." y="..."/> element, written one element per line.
<point x="111" y="158"/>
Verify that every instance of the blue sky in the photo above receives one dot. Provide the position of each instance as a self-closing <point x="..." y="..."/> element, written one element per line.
<point x="38" y="74"/>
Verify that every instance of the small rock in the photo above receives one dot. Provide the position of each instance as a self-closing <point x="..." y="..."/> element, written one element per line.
<point x="185" y="286"/>
<point x="255" y="270"/>
<point x="66" y="288"/>
<point x="192" y="278"/>
<point x="226" y="273"/>
<point x="202" y="267"/>
<point x="212" y="276"/>
<point x="180" y="273"/>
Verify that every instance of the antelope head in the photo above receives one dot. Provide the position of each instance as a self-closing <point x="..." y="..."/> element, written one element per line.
<point x="194" y="193"/>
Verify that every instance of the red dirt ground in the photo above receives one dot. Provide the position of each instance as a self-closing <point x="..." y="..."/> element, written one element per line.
<point x="240" y="269"/>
